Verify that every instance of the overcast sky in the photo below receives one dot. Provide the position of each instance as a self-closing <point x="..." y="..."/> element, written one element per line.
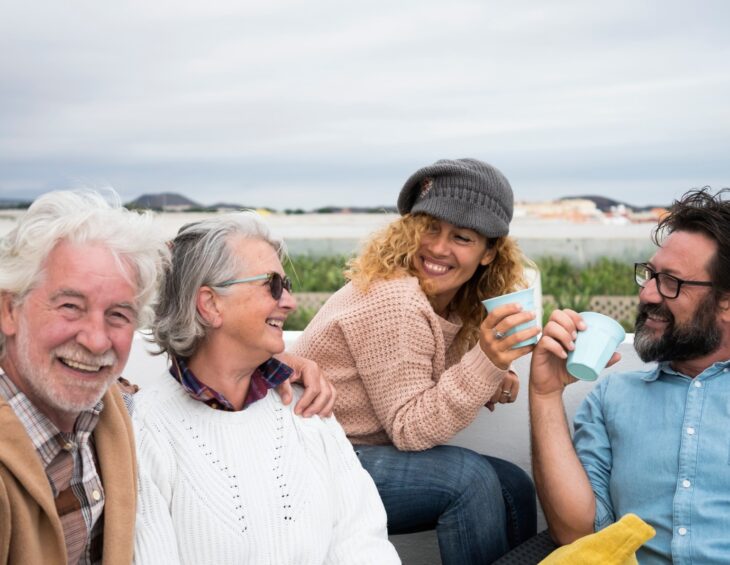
<point x="309" y="103"/>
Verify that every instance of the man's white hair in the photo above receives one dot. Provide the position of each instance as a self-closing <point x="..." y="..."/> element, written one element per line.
<point x="81" y="217"/>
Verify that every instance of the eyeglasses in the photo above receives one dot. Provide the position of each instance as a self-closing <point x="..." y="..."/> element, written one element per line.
<point x="667" y="285"/>
<point x="276" y="283"/>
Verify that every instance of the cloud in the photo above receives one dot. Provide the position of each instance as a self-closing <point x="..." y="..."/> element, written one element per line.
<point x="323" y="102"/>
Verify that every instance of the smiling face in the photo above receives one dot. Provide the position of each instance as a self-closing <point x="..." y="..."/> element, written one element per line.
<point x="447" y="258"/>
<point x="70" y="337"/>
<point x="685" y="327"/>
<point x="250" y="317"/>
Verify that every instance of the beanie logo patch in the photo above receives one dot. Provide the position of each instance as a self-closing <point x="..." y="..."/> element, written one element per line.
<point x="426" y="185"/>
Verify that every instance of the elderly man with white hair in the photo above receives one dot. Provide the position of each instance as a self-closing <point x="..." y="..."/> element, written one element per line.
<point x="77" y="277"/>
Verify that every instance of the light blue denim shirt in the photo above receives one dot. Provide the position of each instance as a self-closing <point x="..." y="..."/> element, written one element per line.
<point x="657" y="443"/>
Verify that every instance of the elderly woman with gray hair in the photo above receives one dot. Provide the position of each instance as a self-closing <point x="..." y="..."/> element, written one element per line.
<point x="227" y="472"/>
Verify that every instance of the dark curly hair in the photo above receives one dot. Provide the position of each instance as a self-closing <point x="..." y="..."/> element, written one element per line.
<point x="699" y="211"/>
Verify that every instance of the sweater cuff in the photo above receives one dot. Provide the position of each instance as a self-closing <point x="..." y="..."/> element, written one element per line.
<point x="476" y="361"/>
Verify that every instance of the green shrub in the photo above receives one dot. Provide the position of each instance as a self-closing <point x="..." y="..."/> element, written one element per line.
<point x="555" y="274"/>
<point x="317" y="274"/>
<point x="570" y="286"/>
<point x="559" y="277"/>
<point x="565" y="284"/>
<point x="605" y="276"/>
<point x="299" y="319"/>
<point x="609" y="276"/>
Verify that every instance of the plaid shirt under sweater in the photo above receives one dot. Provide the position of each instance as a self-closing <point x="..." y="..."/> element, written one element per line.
<point x="266" y="376"/>
<point x="69" y="460"/>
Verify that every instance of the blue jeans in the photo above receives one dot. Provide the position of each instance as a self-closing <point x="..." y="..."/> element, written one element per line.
<point x="481" y="506"/>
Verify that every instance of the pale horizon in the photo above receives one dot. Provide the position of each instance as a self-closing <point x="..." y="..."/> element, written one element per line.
<point x="374" y="208"/>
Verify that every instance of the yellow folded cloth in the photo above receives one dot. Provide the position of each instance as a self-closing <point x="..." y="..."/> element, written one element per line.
<point x="614" y="545"/>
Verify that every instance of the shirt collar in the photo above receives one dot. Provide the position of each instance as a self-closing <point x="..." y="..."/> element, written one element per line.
<point x="268" y="375"/>
<point x="47" y="439"/>
<point x="665" y="368"/>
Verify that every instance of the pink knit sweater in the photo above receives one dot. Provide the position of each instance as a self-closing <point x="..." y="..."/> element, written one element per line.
<point x="390" y="356"/>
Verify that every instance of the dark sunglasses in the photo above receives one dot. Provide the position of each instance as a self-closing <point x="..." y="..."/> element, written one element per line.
<point x="276" y="283"/>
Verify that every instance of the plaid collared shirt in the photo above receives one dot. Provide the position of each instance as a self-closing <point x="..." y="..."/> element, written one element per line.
<point x="69" y="460"/>
<point x="266" y="376"/>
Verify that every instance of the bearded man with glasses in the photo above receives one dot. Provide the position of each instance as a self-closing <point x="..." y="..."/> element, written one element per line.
<point x="653" y="443"/>
<point x="699" y="336"/>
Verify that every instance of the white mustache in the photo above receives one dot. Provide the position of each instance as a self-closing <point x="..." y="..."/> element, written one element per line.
<point x="78" y="354"/>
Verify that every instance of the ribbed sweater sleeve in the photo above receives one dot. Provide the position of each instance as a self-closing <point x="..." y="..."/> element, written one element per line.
<point x="395" y="345"/>
<point x="155" y="537"/>
<point x="360" y="533"/>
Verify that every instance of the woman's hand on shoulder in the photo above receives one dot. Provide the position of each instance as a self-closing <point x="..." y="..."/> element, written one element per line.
<point x="319" y="394"/>
<point x="498" y="346"/>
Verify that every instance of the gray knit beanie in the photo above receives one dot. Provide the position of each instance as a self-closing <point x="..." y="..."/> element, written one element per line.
<point x="465" y="192"/>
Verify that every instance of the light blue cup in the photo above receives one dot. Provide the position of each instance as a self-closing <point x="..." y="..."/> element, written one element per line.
<point x="594" y="346"/>
<point x="524" y="297"/>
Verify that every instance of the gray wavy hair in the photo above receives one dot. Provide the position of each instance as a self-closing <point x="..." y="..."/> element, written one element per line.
<point x="201" y="256"/>
<point x="82" y="217"/>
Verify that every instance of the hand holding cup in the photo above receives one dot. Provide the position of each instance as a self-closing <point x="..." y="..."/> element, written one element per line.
<point x="594" y="346"/>
<point x="548" y="371"/>
<point x="510" y="329"/>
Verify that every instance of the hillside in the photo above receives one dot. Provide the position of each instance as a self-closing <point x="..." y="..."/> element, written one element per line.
<point x="163" y="200"/>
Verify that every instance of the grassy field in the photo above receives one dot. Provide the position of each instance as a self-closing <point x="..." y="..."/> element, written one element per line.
<point x="570" y="286"/>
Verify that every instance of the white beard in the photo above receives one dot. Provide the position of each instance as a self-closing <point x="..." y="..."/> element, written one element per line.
<point x="62" y="392"/>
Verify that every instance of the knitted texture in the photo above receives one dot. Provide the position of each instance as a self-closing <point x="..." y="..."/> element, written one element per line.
<point x="391" y="358"/>
<point x="259" y="486"/>
<point x="465" y="192"/>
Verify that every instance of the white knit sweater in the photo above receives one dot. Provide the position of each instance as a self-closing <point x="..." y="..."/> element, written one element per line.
<point x="259" y="486"/>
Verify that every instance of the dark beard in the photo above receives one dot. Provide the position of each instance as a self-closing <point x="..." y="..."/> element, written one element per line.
<point x="696" y="338"/>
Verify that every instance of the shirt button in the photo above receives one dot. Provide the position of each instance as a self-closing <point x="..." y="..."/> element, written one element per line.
<point x="698" y="384"/>
<point x="96" y="495"/>
<point x="686" y="483"/>
<point x="68" y="446"/>
<point x="682" y="531"/>
<point x="690" y="431"/>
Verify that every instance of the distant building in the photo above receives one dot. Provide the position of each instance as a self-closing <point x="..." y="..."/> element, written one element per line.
<point x="648" y="216"/>
<point x="570" y="209"/>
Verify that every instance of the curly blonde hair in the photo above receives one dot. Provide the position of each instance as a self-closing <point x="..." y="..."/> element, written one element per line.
<point x="389" y="254"/>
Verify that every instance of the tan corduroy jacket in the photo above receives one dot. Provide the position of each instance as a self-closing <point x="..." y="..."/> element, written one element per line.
<point x="30" y="529"/>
